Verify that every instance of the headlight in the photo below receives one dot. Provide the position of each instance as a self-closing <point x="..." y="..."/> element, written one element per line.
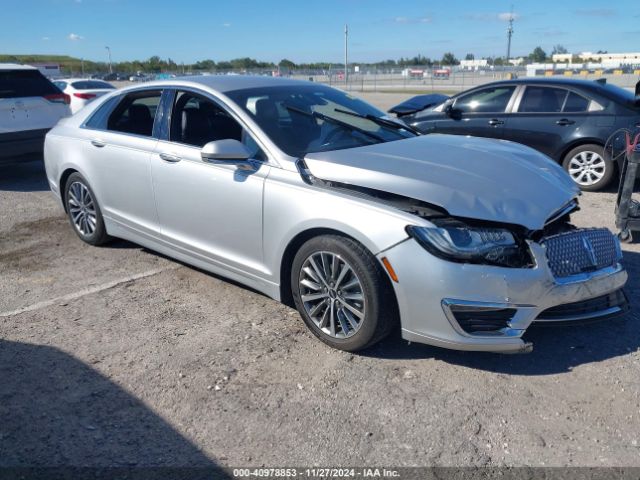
<point x="461" y="243"/>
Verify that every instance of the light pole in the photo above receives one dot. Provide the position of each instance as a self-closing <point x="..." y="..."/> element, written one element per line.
<point x="346" y="56"/>
<point x="109" y="50"/>
<point x="509" y="34"/>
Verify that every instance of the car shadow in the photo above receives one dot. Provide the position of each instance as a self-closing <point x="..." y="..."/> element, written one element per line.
<point x="23" y="176"/>
<point x="57" y="412"/>
<point x="556" y="349"/>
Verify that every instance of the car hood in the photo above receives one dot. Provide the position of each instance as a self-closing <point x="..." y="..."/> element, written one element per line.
<point x="469" y="177"/>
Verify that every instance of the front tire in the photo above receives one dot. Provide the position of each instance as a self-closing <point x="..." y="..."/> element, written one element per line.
<point x="589" y="167"/>
<point x="83" y="211"/>
<point x="342" y="293"/>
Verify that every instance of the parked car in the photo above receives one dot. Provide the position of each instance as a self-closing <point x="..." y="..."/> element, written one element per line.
<point x="139" y="77"/>
<point x="569" y="120"/>
<point x="81" y="91"/>
<point x="29" y="106"/>
<point x="314" y="198"/>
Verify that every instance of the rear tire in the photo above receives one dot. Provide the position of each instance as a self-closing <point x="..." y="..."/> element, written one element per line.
<point x="589" y="167"/>
<point x="342" y="293"/>
<point x="83" y="211"/>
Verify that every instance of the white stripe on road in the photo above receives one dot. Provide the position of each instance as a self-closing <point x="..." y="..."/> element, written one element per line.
<point x="87" y="291"/>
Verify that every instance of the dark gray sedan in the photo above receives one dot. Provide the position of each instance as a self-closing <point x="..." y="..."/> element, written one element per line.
<point x="566" y="119"/>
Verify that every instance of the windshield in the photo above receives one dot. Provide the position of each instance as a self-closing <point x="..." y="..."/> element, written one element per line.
<point x="315" y="118"/>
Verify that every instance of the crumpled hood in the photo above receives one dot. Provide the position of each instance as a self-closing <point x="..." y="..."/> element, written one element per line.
<point x="469" y="177"/>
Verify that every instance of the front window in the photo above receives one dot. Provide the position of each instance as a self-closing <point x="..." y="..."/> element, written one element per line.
<point x="316" y="118"/>
<point x="197" y="120"/>
<point x="487" y="100"/>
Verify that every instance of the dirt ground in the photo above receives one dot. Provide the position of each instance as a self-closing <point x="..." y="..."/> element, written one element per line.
<point x="116" y="356"/>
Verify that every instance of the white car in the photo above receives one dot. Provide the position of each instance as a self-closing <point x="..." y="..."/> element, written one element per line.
<point x="83" y="90"/>
<point x="30" y="105"/>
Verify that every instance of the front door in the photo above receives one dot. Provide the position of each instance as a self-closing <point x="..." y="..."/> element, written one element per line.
<point x="213" y="211"/>
<point x="481" y="113"/>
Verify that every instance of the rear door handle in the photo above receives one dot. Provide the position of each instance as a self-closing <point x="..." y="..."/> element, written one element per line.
<point x="170" y="157"/>
<point x="563" y="122"/>
<point x="494" y="122"/>
<point x="98" y="143"/>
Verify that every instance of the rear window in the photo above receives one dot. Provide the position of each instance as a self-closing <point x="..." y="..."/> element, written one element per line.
<point x="576" y="103"/>
<point x="25" y="83"/>
<point x="542" y="100"/>
<point x="91" y="85"/>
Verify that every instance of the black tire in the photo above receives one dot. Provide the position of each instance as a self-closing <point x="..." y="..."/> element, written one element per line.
<point x="608" y="165"/>
<point x="379" y="306"/>
<point x="98" y="234"/>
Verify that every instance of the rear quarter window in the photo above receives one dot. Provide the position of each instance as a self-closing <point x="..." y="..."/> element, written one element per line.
<point x="25" y="83"/>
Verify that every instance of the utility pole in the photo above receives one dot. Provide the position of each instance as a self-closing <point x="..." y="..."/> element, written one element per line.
<point x="82" y="65"/>
<point x="346" y="56"/>
<point x="109" y="50"/>
<point x="509" y="34"/>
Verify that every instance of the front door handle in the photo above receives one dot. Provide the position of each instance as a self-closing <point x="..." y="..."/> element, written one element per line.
<point x="98" y="143"/>
<point x="563" y="122"/>
<point x="170" y="157"/>
<point x="495" y="122"/>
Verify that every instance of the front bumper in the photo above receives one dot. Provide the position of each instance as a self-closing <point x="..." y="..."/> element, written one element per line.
<point x="427" y="287"/>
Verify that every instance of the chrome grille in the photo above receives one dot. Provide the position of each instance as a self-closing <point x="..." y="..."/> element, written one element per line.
<point x="581" y="251"/>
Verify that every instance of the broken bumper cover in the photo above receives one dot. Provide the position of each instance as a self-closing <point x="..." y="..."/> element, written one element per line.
<point x="435" y="298"/>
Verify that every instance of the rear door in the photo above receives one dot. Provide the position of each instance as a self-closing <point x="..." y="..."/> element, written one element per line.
<point x="481" y="113"/>
<point x="120" y="139"/>
<point x="28" y="101"/>
<point x="547" y="118"/>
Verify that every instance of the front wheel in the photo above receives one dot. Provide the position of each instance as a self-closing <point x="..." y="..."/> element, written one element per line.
<point x="589" y="167"/>
<point x="341" y="293"/>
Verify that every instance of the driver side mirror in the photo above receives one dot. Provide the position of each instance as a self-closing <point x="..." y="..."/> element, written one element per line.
<point x="450" y="111"/>
<point x="225" y="150"/>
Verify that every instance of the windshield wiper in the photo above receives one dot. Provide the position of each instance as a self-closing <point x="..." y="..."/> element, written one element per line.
<point x="340" y="123"/>
<point x="380" y="121"/>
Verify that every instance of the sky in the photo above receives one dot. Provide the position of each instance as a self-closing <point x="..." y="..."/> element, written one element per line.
<point x="311" y="30"/>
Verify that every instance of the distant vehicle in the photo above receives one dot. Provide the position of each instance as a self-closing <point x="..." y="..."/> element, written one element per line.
<point x="139" y="77"/>
<point x="442" y="73"/>
<point x="82" y="90"/>
<point x="30" y="105"/>
<point x="313" y="197"/>
<point x="112" y="77"/>
<point x="568" y="119"/>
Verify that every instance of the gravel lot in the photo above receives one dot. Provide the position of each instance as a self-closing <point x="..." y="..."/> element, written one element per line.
<point x="117" y="356"/>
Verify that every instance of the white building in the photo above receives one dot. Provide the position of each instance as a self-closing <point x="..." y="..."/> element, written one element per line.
<point x="606" y="60"/>
<point x="473" y="64"/>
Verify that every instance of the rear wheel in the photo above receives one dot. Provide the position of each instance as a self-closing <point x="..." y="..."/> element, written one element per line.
<point x="589" y="167"/>
<point x="83" y="211"/>
<point x="341" y="293"/>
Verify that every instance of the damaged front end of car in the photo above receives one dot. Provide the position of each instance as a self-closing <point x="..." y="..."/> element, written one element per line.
<point x="485" y="282"/>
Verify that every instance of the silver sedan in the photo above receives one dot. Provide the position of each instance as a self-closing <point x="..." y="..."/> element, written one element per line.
<point x="319" y="200"/>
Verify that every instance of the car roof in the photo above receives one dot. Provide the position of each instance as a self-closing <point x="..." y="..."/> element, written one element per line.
<point x="16" y="66"/>
<point x="229" y="83"/>
<point x="566" y="82"/>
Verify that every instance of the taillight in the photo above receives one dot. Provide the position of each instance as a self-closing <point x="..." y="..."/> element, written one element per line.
<point x="58" y="98"/>
<point x="85" y="96"/>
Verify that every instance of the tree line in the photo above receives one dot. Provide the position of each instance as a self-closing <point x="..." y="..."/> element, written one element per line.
<point x="156" y="64"/>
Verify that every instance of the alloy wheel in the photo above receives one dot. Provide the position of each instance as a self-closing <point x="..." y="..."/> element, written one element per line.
<point x="82" y="209"/>
<point x="332" y="294"/>
<point x="587" y="168"/>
